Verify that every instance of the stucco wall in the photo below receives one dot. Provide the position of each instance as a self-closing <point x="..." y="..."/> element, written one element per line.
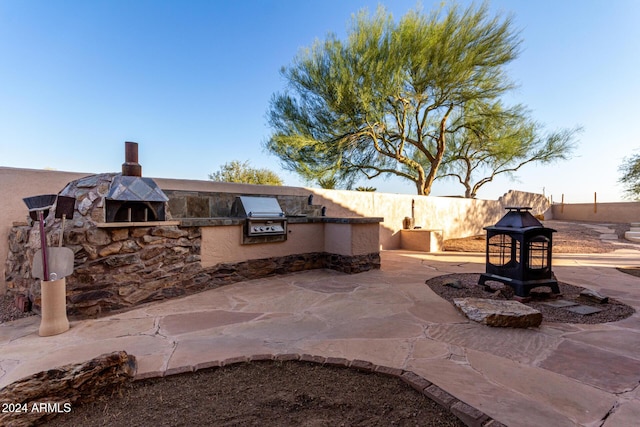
<point x="337" y="239"/>
<point x="223" y="244"/>
<point x="622" y="212"/>
<point x="456" y="217"/>
<point x="364" y="239"/>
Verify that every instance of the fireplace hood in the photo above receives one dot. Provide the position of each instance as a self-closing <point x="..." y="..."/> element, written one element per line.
<point x="132" y="198"/>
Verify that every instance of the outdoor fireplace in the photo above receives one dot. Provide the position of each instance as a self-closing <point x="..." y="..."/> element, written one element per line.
<point x="132" y="198"/>
<point x="519" y="252"/>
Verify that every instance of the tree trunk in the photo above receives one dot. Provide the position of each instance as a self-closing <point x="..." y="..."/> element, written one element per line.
<point x="64" y="387"/>
<point x="431" y="176"/>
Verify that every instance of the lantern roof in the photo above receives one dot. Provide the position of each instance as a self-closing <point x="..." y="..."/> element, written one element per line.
<point x="518" y="217"/>
<point x="517" y="220"/>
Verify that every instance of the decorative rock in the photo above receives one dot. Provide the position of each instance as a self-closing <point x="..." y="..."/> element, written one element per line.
<point x="129" y="246"/>
<point x="90" y="250"/>
<point x="585" y="310"/>
<point x="153" y="239"/>
<point x="111" y="249"/>
<point x="84" y="206"/>
<point x="560" y="303"/>
<point x="98" y="236"/>
<point x="492" y="286"/>
<point x="119" y="234"/>
<point x="456" y="284"/>
<point x="499" y="313"/>
<point x="594" y="296"/>
<point x="543" y="292"/>
<point x="170" y="232"/>
<point x="61" y="388"/>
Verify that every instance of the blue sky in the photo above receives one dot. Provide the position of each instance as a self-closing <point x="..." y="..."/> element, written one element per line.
<point x="190" y="81"/>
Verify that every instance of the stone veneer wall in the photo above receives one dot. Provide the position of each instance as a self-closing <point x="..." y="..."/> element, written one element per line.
<point x="121" y="268"/>
<point x="212" y="204"/>
<point x="114" y="268"/>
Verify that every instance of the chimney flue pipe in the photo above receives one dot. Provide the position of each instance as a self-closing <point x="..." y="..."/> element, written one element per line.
<point x="131" y="167"/>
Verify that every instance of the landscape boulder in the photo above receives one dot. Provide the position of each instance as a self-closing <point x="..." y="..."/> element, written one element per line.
<point x="500" y="313"/>
<point x="593" y="296"/>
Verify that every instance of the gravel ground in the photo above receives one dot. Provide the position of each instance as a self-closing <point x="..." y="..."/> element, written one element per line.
<point x="466" y="285"/>
<point x="570" y="237"/>
<point x="9" y="311"/>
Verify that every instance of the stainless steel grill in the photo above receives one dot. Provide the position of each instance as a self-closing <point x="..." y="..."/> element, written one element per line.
<point x="264" y="217"/>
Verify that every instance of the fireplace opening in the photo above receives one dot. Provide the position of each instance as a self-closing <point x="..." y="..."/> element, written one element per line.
<point x="134" y="211"/>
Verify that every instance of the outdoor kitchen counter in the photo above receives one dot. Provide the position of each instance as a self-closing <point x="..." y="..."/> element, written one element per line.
<point x="225" y="239"/>
<point x="226" y="221"/>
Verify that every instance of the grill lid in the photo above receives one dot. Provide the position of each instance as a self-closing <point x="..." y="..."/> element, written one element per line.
<point x="256" y="207"/>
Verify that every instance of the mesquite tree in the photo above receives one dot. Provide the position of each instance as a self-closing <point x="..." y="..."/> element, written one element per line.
<point x="382" y="101"/>
<point x="496" y="140"/>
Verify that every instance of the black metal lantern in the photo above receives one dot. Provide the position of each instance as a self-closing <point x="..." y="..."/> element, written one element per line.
<point x="519" y="252"/>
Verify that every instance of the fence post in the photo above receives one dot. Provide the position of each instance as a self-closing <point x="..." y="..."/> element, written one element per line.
<point x="595" y="202"/>
<point x="562" y="204"/>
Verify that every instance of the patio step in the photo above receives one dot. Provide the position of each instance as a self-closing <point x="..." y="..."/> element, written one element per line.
<point x="634" y="233"/>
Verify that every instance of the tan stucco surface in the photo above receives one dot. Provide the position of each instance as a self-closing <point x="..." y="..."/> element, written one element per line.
<point x="338" y="239"/>
<point x="364" y="239"/>
<point x="621" y="212"/>
<point x="223" y="244"/>
<point x="421" y="240"/>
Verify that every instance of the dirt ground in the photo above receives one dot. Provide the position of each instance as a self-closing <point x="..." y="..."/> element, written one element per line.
<point x="569" y="238"/>
<point x="299" y="394"/>
<point x="266" y="394"/>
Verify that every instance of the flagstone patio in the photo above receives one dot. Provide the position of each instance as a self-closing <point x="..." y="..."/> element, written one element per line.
<point x="554" y="375"/>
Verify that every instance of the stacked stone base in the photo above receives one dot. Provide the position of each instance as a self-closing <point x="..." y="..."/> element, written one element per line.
<point x="125" y="268"/>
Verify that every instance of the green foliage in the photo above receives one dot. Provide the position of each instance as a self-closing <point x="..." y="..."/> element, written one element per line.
<point x="329" y="182"/>
<point x="242" y="172"/>
<point x="630" y="170"/>
<point x="383" y="100"/>
<point x="496" y="140"/>
<point x="369" y="189"/>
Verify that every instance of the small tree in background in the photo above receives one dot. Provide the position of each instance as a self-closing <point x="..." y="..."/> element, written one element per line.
<point x="328" y="183"/>
<point x="630" y="170"/>
<point x="242" y="172"/>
